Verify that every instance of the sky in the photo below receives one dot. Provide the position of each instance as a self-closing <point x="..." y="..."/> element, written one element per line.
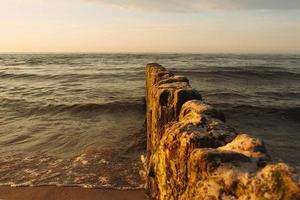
<point x="189" y="26"/>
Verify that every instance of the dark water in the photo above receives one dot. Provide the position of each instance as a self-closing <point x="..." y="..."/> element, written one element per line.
<point x="78" y="119"/>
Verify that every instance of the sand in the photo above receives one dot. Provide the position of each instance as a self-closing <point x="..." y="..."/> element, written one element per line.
<point x="68" y="193"/>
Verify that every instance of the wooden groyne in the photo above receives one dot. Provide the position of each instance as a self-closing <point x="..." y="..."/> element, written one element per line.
<point x="193" y="154"/>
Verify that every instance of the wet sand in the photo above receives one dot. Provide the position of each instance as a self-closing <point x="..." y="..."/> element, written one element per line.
<point x="68" y="193"/>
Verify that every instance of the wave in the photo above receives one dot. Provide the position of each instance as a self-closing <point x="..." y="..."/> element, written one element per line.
<point x="261" y="96"/>
<point x="88" y="170"/>
<point x="27" y="75"/>
<point x="38" y="108"/>
<point x="280" y="95"/>
<point x="215" y="68"/>
<point x="291" y="113"/>
<point x="93" y="107"/>
<point x="72" y="76"/>
<point x="225" y="95"/>
<point x="242" y="74"/>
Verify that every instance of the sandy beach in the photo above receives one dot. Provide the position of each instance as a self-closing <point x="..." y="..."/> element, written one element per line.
<point x="68" y="193"/>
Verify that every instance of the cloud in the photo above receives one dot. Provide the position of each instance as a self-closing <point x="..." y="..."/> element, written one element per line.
<point x="200" y="5"/>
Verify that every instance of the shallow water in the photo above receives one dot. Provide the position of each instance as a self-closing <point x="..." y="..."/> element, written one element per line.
<point x="78" y="119"/>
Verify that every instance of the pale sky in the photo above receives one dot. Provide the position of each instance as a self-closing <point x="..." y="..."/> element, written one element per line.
<point x="204" y="26"/>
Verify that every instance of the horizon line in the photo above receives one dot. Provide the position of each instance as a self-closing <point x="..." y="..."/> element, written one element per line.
<point x="146" y="52"/>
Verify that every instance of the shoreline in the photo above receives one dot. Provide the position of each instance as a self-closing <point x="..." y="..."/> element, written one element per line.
<point x="69" y="192"/>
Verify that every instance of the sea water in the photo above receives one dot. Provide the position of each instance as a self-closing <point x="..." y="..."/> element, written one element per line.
<point x="79" y="119"/>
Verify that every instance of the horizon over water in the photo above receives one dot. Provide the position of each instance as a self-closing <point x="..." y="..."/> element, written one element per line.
<point x="79" y="118"/>
<point x="146" y="53"/>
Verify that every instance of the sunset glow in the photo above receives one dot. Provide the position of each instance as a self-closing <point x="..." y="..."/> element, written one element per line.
<point x="140" y="26"/>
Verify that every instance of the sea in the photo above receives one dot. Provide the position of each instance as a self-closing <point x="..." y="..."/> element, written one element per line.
<point x="79" y="119"/>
